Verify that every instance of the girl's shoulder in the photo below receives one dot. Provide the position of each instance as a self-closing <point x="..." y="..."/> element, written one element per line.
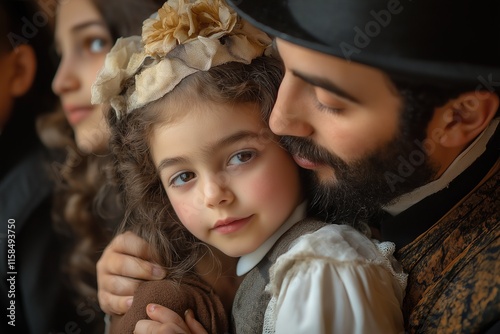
<point x="340" y="248"/>
<point x="341" y="243"/>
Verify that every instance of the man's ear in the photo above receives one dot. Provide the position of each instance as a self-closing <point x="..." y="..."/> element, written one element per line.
<point x="24" y="69"/>
<point x="465" y="117"/>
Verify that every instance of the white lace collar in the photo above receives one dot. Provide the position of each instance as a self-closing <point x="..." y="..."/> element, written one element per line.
<point x="248" y="261"/>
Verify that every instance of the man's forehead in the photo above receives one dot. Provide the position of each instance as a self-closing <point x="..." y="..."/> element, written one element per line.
<point x="350" y="80"/>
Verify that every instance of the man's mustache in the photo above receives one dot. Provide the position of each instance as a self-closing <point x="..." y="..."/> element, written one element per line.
<point x="307" y="149"/>
<point x="302" y="147"/>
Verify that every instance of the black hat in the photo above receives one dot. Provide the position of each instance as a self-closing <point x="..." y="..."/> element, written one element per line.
<point x="433" y="41"/>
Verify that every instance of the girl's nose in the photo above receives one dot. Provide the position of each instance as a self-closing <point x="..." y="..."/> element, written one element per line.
<point x="217" y="193"/>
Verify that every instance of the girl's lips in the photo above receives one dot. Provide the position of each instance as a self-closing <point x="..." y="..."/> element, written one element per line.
<point x="77" y="114"/>
<point x="304" y="163"/>
<point x="232" y="225"/>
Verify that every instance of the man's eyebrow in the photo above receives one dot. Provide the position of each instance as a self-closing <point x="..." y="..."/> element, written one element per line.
<point x="209" y="149"/>
<point x="327" y="85"/>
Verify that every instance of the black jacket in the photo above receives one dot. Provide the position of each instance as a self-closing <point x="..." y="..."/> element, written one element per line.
<point x="38" y="300"/>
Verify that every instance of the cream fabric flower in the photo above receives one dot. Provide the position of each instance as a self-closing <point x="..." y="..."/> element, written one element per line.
<point x="181" y="21"/>
<point x="122" y="62"/>
<point x="184" y="37"/>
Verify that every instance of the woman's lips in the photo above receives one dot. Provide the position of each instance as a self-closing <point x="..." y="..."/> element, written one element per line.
<point x="77" y="114"/>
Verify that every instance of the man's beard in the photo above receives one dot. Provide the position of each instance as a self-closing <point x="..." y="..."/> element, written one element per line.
<point x="361" y="188"/>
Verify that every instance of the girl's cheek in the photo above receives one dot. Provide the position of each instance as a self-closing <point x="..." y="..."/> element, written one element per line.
<point x="186" y="210"/>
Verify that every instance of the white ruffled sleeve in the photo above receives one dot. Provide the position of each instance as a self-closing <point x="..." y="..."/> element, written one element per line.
<point x="336" y="280"/>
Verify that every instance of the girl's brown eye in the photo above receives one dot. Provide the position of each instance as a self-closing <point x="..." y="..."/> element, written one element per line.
<point x="182" y="178"/>
<point x="245" y="156"/>
<point x="241" y="158"/>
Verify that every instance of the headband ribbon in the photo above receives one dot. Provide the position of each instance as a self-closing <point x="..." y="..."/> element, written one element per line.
<point x="183" y="37"/>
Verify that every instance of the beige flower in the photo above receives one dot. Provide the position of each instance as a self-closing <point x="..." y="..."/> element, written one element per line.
<point x="181" y="21"/>
<point x="140" y="70"/>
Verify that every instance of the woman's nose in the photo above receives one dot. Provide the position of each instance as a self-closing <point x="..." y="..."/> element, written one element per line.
<point x="65" y="79"/>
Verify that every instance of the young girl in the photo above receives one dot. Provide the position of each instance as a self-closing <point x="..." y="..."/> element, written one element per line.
<point x="199" y="166"/>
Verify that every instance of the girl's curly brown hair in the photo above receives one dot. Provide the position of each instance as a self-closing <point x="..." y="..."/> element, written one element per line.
<point x="148" y="210"/>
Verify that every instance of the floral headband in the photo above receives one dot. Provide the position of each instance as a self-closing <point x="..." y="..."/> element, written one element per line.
<point x="183" y="37"/>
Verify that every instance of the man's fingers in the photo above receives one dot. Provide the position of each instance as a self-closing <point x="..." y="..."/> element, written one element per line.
<point x="153" y="327"/>
<point x="128" y="266"/>
<point x="112" y="304"/>
<point x="116" y="298"/>
<point x="163" y="320"/>
<point x="131" y="244"/>
<point x="122" y="266"/>
<point x="166" y="316"/>
<point x="119" y="285"/>
<point x="128" y="255"/>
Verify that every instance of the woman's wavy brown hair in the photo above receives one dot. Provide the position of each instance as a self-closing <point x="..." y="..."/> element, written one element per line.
<point x="148" y="210"/>
<point x="87" y="206"/>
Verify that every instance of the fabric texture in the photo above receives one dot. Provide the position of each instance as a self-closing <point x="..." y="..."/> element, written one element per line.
<point x="454" y="271"/>
<point x="314" y="276"/>
<point x="449" y="245"/>
<point x="191" y="293"/>
<point x="335" y="280"/>
<point x="251" y="300"/>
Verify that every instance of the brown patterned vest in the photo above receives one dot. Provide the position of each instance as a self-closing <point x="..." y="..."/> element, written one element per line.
<point x="454" y="267"/>
<point x="251" y="300"/>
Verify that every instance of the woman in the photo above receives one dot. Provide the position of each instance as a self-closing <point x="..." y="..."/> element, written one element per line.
<point x="86" y="206"/>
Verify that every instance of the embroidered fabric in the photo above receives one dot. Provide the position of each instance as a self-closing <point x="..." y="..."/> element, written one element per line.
<point x="332" y="271"/>
<point x="387" y="249"/>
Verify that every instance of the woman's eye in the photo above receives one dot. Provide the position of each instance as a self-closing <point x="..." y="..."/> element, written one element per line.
<point x="97" y="45"/>
<point x="182" y="178"/>
<point x="241" y="158"/>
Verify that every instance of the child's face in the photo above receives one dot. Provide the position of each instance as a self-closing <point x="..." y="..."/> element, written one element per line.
<point x="82" y="40"/>
<point x="230" y="183"/>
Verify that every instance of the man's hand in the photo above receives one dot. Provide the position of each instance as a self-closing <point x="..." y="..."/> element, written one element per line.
<point x="122" y="266"/>
<point x="166" y="321"/>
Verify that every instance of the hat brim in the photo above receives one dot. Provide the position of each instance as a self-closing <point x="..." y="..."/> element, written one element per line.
<point x="274" y="18"/>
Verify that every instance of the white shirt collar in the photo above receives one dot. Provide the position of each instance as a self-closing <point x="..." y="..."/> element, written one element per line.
<point x="248" y="261"/>
<point x="461" y="163"/>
